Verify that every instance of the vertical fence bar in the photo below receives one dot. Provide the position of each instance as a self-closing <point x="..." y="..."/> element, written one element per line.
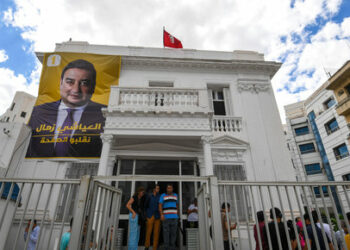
<point x="328" y="217"/>
<point x="237" y="217"/>
<point x="245" y="197"/>
<point x="44" y="216"/>
<point x="313" y="223"/>
<point x="7" y="202"/>
<point x="90" y="220"/>
<point x="334" y="206"/>
<point x="3" y="238"/>
<point x="293" y="218"/>
<point x="284" y="218"/>
<point x="345" y="220"/>
<point x="33" y="217"/>
<point x="307" y="239"/>
<point x="265" y="219"/>
<point x="112" y="227"/>
<point x="257" y="223"/>
<point x="66" y="207"/>
<point x="60" y="193"/>
<point x="78" y="218"/>
<point x="275" y="219"/>
<point x="98" y="216"/>
<point x="227" y="219"/>
<point x="215" y="215"/>
<point x="103" y="218"/>
<point x="24" y="212"/>
<point x="313" y="198"/>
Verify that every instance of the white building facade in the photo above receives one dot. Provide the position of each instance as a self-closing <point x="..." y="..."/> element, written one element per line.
<point x="184" y="113"/>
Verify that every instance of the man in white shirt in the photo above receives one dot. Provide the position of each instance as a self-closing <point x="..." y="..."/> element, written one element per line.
<point x="192" y="215"/>
<point x="326" y="227"/>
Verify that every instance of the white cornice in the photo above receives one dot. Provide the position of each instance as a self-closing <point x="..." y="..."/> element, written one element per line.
<point x="248" y="66"/>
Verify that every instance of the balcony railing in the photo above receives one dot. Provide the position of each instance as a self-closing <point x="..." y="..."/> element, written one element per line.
<point x="226" y="124"/>
<point x="343" y="106"/>
<point x="160" y="99"/>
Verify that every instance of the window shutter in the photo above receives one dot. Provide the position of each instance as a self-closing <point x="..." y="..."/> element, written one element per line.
<point x="228" y="101"/>
<point x="210" y="100"/>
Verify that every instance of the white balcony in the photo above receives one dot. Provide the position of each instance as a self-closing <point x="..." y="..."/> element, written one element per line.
<point x="226" y="124"/>
<point x="166" y="111"/>
<point x="159" y="100"/>
<point x="158" y="111"/>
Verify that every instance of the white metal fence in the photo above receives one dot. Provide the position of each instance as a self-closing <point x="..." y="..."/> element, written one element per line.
<point x="97" y="204"/>
<point x="50" y="205"/>
<point x="321" y="206"/>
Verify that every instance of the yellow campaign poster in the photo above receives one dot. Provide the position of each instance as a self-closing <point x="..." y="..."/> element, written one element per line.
<point x="67" y="119"/>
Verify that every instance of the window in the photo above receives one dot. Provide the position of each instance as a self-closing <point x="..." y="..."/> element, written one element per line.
<point x="314" y="168"/>
<point x="218" y="102"/>
<point x="347" y="88"/>
<point x="23" y="114"/>
<point x="346" y="177"/>
<point x="329" y="103"/>
<point x="160" y="84"/>
<point x="341" y="152"/>
<point x="8" y="118"/>
<point x="233" y="172"/>
<point x="318" y="193"/>
<point x="12" y="106"/>
<point x="331" y="126"/>
<point x="301" y="131"/>
<point x="307" y="148"/>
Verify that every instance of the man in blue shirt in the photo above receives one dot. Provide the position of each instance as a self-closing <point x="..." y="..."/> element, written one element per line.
<point x="153" y="218"/>
<point x="34" y="234"/>
<point x="168" y="209"/>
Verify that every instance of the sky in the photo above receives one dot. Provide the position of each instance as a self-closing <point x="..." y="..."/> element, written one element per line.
<point x="309" y="37"/>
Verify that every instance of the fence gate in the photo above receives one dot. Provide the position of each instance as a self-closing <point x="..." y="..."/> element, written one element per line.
<point x="96" y="218"/>
<point x="209" y="216"/>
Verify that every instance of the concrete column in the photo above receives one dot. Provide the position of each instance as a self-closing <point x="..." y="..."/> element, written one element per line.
<point x="201" y="165"/>
<point x="208" y="160"/>
<point x="103" y="166"/>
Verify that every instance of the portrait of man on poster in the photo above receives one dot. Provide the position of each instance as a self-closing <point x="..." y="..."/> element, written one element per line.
<point x="71" y="126"/>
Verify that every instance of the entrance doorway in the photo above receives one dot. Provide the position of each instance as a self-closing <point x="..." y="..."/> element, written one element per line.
<point x="146" y="173"/>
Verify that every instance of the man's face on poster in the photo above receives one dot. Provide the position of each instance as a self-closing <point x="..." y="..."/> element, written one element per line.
<point x="76" y="87"/>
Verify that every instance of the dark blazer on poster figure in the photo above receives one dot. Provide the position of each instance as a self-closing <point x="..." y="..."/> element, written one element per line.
<point x="47" y="114"/>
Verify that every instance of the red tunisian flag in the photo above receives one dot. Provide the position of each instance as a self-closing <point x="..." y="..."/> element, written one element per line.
<point x="171" y="41"/>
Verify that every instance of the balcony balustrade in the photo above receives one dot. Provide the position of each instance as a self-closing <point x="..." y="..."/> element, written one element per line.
<point x="226" y="124"/>
<point x="159" y="100"/>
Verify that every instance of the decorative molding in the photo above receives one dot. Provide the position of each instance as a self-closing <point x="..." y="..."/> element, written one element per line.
<point x="155" y="123"/>
<point x="227" y="155"/>
<point x="206" y="139"/>
<point x="253" y="85"/>
<point x="106" y="138"/>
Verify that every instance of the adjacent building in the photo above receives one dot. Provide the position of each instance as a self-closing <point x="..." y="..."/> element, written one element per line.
<point x="339" y="83"/>
<point x="317" y="137"/>
<point x="20" y="108"/>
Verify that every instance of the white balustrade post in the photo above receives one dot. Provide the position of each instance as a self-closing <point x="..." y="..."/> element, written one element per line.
<point x="102" y="168"/>
<point x="208" y="160"/>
